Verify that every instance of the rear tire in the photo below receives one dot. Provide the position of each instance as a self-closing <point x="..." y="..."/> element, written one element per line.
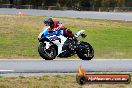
<point x="88" y="50"/>
<point x="43" y="52"/>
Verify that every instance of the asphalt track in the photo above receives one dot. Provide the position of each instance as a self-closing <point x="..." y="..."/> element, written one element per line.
<point x="64" y="66"/>
<point x="125" y="16"/>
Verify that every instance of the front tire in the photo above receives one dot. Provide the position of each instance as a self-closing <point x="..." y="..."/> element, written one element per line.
<point x="86" y="51"/>
<point x="44" y="52"/>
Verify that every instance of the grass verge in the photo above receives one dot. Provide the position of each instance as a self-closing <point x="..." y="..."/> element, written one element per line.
<point x="52" y="81"/>
<point x="110" y="39"/>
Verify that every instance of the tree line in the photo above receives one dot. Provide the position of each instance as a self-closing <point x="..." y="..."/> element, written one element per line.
<point x="70" y="3"/>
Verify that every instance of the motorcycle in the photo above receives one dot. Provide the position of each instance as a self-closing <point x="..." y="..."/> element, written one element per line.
<point x="54" y="44"/>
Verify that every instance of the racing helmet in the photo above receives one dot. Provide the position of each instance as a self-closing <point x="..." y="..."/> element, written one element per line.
<point x="48" y="22"/>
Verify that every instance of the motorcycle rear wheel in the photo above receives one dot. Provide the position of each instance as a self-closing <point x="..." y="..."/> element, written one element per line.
<point x="85" y="53"/>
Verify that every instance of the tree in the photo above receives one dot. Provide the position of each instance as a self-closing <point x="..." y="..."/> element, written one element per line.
<point x="121" y="3"/>
<point x="11" y="1"/>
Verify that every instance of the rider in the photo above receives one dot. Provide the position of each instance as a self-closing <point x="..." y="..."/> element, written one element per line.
<point x="56" y="25"/>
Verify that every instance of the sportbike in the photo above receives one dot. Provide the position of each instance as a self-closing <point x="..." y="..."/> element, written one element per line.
<point x="54" y="44"/>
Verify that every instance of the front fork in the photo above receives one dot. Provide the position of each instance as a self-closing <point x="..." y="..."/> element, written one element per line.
<point x="47" y="45"/>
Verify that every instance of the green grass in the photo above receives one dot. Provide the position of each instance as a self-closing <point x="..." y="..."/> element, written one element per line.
<point x="52" y="81"/>
<point x="110" y="39"/>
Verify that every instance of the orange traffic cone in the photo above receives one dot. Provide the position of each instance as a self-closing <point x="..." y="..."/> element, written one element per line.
<point x="21" y="13"/>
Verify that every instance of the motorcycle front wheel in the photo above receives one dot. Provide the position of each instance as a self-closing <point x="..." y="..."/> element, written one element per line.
<point x="86" y="51"/>
<point x="47" y="54"/>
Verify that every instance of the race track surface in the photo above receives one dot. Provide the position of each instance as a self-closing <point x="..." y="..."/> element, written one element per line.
<point x="73" y="14"/>
<point x="64" y="66"/>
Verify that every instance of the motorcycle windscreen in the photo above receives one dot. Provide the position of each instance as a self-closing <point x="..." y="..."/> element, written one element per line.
<point x="44" y="32"/>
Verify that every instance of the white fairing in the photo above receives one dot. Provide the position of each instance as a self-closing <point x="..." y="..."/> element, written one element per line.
<point x="79" y="33"/>
<point x="57" y="42"/>
<point x="60" y="44"/>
